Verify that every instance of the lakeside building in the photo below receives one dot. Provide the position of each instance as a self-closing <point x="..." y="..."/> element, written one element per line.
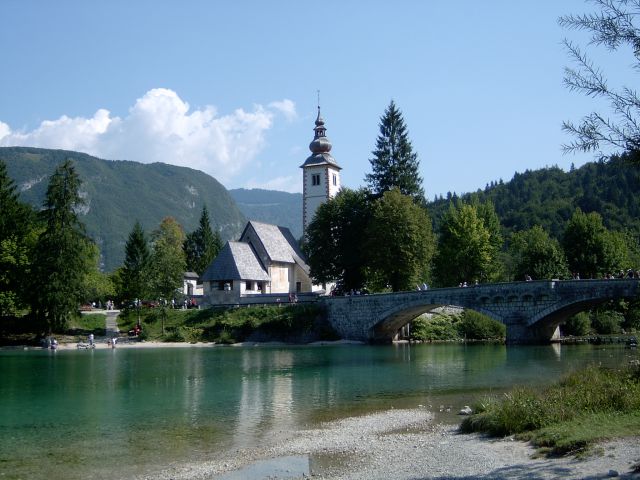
<point x="266" y="260"/>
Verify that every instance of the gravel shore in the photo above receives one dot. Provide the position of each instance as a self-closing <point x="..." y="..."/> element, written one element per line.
<point x="405" y="444"/>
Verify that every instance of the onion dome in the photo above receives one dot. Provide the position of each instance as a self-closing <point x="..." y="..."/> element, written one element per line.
<point x="320" y="146"/>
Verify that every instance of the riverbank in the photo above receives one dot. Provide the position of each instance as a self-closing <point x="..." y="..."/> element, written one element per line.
<point x="403" y="444"/>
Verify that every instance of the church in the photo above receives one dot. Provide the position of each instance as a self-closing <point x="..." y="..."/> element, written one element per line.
<point x="266" y="263"/>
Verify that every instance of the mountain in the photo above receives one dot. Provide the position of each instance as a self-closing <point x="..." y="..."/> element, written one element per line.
<point x="117" y="193"/>
<point x="270" y="206"/>
<point x="549" y="196"/>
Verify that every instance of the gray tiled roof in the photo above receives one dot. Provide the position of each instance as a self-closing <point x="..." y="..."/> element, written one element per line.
<point x="236" y="261"/>
<point x="320" y="159"/>
<point x="279" y="243"/>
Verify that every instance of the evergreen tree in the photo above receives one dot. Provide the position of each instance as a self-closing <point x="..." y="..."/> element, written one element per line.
<point x="135" y="272"/>
<point x="614" y="27"/>
<point x="202" y="245"/>
<point x="394" y="164"/>
<point x="60" y="265"/>
<point x="400" y="243"/>
<point x="16" y="242"/>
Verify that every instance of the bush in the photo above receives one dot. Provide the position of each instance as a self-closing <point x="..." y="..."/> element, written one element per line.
<point x="476" y="326"/>
<point x="607" y="322"/>
<point x="578" y="325"/>
<point x="436" y="327"/>
<point x="582" y="398"/>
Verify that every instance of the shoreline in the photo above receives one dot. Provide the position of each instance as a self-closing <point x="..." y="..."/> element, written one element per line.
<point x="405" y="445"/>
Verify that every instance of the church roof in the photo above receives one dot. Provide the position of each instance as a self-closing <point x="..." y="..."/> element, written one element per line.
<point x="279" y="243"/>
<point x="236" y="261"/>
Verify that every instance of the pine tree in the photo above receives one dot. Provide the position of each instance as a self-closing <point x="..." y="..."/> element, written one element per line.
<point x="60" y="265"/>
<point x="135" y="271"/>
<point x="394" y="163"/>
<point x="202" y="245"/>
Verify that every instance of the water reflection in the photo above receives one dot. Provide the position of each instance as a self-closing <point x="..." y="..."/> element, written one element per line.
<point x="147" y="408"/>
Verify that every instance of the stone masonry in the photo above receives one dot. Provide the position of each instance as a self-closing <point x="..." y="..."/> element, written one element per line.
<point x="531" y="311"/>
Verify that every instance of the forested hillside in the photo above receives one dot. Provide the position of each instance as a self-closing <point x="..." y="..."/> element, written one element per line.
<point x="548" y="197"/>
<point x="117" y="193"/>
<point x="269" y="206"/>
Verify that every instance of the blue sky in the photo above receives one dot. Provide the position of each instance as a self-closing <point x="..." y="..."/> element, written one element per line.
<point x="230" y="87"/>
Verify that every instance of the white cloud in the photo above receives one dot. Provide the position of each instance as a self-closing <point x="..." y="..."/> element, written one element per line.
<point x="160" y="127"/>
<point x="286" y="107"/>
<point x="284" y="184"/>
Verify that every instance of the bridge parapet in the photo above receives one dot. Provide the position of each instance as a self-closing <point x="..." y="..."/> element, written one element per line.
<point x="530" y="310"/>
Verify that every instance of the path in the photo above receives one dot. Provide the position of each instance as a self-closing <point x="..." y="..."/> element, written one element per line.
<point x="111" y="327"/>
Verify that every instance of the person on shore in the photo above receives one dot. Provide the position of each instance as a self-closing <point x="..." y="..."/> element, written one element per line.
<point x="91" y="339"/>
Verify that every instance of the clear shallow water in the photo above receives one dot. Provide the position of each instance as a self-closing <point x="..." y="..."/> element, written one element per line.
<point x="118" y="413"/>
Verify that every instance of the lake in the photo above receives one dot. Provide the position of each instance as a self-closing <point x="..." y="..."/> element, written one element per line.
<point x="77" y="414"/>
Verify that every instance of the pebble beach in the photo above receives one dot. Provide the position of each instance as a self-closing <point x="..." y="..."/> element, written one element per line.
<point x="404" y="444"/>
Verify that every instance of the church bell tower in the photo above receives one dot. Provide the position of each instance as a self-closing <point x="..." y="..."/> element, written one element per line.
<point x="320" y="174"/>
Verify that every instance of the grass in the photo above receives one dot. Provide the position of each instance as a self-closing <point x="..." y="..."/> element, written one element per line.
<point x="289" y="323"/>
<point x="567" y="417"/>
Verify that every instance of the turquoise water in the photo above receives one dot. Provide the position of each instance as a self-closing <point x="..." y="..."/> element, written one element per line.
<point x="118" y="413"/>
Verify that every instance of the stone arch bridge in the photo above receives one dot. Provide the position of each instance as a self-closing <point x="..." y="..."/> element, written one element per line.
<point x="531" y="311"/>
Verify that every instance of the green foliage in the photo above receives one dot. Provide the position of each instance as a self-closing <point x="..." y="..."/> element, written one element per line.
<point x="394" y="164"/>
<point x="87" y="323"/>
<point x="400" y="243"/>
<point x="476" y="326"/>
<point x="202" y="245"/>
<point x="96" y="286"/>
<point x="554" y="417"/>
<point x="17" y="237"/>
<point x="435" y="328"/>
<point x="607" y="322"/>
<point x="135" y="272"/>
<point x="591" y="249"/>
<point x="285" y="323"/>
<point x="614" y="27"/>
<point x="120" y="192"/>
<point x="60" y="264"/>
<point x="167" y="264"/>
<point x="548" y="197"/>
<point x="335" y="237"/>
<point x="467" y="249"/>
<point x="537" y="255"/>
<point x="577" y="325"/>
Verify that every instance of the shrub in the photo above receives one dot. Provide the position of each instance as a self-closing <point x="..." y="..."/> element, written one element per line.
<point x="436" y="327"/>
<point x="607" y="322"/>
<point x="476" y="326"/>
<point x="579" y="325"/>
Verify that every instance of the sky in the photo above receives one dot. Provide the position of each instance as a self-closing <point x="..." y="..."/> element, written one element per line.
<point x="230" y="88"/>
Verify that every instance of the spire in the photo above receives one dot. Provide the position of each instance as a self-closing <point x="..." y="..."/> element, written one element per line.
<point x="320" y="146"/>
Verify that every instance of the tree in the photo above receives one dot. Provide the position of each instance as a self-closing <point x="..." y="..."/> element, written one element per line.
<point x="167" y="262"/>
<point x="590" y="248"/>
<point x="202" y="245"/>
<point x="614" y="28"/>
<point x="60" y="265"/>
<point x="135" y="271"/>
<point x="537" y="255"/>
<point x="334" y="240"/>
<point x="400" y="242"/>
<point x="17" y="236"/>
<point x="466" y="252"/>
<point x="394" y="164"/>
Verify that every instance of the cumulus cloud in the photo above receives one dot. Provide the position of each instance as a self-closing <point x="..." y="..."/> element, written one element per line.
<point x="161" y="127"/>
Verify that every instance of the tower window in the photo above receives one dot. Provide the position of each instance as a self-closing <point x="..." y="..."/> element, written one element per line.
<point x="335" y="180"/>
<point x="315" y="179"/>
